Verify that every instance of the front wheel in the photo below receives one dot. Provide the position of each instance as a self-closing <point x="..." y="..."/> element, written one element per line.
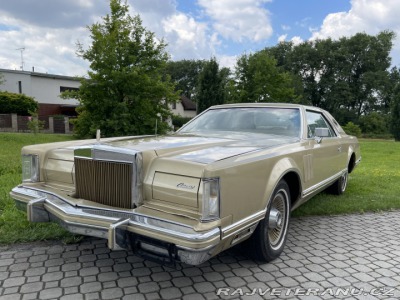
<point x="270" y="236"/>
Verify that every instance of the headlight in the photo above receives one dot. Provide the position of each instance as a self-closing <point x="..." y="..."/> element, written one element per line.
<point x="211" y="199"/>
<point x="30" y="168"/>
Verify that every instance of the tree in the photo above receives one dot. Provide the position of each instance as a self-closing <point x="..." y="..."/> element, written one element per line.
<point x="126" y="90"/>
<point x="185" y="74"/>
<point x="395" y="104"/>
<point x="349" y="77"/>
<point x="395" y="117"/>
<point x="258" y="79"/>
<point x="210" y="88"/>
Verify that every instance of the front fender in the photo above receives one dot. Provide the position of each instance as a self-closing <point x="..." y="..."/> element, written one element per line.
<point x="282" y="167"/>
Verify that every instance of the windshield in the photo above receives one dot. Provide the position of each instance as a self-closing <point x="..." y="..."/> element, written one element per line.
<point x="267" y="120"/>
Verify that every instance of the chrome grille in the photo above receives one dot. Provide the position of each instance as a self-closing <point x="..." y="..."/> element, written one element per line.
<point x="105" y="182"/>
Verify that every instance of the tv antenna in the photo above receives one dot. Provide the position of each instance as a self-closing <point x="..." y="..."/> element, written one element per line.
<point x="22" y="57"/>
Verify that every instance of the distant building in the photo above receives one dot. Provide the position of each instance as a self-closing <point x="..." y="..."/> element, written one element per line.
<point x="44" y="88"/>
<point x="184" y="108"/>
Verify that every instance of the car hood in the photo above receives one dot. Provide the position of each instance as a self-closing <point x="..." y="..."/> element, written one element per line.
<point x="203" y="148"/>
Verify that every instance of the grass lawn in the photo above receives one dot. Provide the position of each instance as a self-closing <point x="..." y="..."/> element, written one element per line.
<point x="373" y="186"/>
<point x="14" y="226"/>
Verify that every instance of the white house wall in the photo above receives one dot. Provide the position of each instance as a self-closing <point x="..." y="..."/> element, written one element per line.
<point x="47" y="90"/>
<point x="44" y="88"/>
<point x="11" y="83"/>
<point x="179" y="110"/>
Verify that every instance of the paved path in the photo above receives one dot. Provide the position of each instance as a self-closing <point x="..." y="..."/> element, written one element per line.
<point x="355" y="253"/>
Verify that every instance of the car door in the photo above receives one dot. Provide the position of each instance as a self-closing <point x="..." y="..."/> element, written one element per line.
<point x="326" y="157"/>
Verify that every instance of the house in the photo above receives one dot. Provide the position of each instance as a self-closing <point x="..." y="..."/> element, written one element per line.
<point x="44" y="88"/>
<point x="184" y="108"/>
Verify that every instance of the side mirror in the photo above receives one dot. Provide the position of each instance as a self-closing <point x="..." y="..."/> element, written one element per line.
<point x="321" y="133"/>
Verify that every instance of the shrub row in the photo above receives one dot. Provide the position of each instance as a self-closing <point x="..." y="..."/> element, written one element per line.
<point x="20" y="104"/>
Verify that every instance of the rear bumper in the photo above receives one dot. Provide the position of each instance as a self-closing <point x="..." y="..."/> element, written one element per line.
<point x="144" y="234"/>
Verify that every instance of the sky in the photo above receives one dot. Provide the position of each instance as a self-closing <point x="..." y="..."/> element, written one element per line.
<point x="43" y="33"/>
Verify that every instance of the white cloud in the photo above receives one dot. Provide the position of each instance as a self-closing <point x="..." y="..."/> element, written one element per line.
<point x="227" y="61"/>
<point x="188" y="38"/>
<point x="369" y="16"/>
<point x="282" y="38"/>
<point x="48" y="31"/>
<point x="53" y="13"/>
<point x="46" y="49"/>
<point x="296" y="40"/>
<point x="239" y="20"/>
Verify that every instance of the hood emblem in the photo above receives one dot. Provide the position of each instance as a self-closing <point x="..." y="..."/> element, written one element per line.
<point x="185" y="186"/>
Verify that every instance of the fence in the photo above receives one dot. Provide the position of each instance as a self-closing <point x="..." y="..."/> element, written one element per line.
<point x="15" y="123"/>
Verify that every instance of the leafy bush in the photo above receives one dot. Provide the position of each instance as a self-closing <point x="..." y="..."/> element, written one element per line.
<point x="34" y="124"/>
<point x="179" y="121"/>
<point x="352" y="129"/>
<point x="374" y="123"/>
<point x="20" y="104"/>
<point x="380" y="136"/>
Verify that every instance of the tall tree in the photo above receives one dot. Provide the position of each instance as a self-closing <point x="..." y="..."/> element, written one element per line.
<point x="395" y="117"/>
<point x="210" y="88"/>
<point x="395" y="103"/>
<point x="185" y="75"/>
<point x="125" y="91"/>
<point x="366" y="68"/>
<point x="348" y="76"/>
<point x="258" y="79"/>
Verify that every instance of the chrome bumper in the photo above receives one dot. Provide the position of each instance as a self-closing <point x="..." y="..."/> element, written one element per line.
<point x="117" y="226"/>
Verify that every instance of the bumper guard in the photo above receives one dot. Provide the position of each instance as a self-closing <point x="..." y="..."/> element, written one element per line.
<point x="44" y="206"/>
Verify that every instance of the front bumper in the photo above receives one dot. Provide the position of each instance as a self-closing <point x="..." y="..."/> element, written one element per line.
<point x="144" y="234"/>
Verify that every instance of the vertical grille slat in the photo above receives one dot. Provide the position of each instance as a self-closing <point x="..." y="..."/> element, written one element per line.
<point x="105" y="182"/>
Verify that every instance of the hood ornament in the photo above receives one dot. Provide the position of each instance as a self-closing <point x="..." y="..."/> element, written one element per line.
<point x="98" y="135"/>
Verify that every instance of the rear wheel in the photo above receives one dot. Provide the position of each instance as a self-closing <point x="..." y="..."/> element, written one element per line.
<point x="340" y="185"/>
<point x="270" y="236"/>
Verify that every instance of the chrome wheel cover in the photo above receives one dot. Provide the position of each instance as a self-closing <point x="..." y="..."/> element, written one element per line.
<point x="278" y="226"/>
<point x="343" y="181"/>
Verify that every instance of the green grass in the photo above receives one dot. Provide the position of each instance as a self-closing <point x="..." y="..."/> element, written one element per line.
<point x="373" y="186"/>
<point x="14" y="226"/>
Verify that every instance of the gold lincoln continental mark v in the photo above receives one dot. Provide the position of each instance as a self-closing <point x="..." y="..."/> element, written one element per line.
<point x="231" y="174"/>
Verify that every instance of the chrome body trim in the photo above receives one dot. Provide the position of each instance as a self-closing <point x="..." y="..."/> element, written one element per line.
<point x="82" y="229"/>
<point x="244" y="234"/>
<point x="322" y="184"/>
<point x="250" y="220"/>
<point x="43" y="206"/>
